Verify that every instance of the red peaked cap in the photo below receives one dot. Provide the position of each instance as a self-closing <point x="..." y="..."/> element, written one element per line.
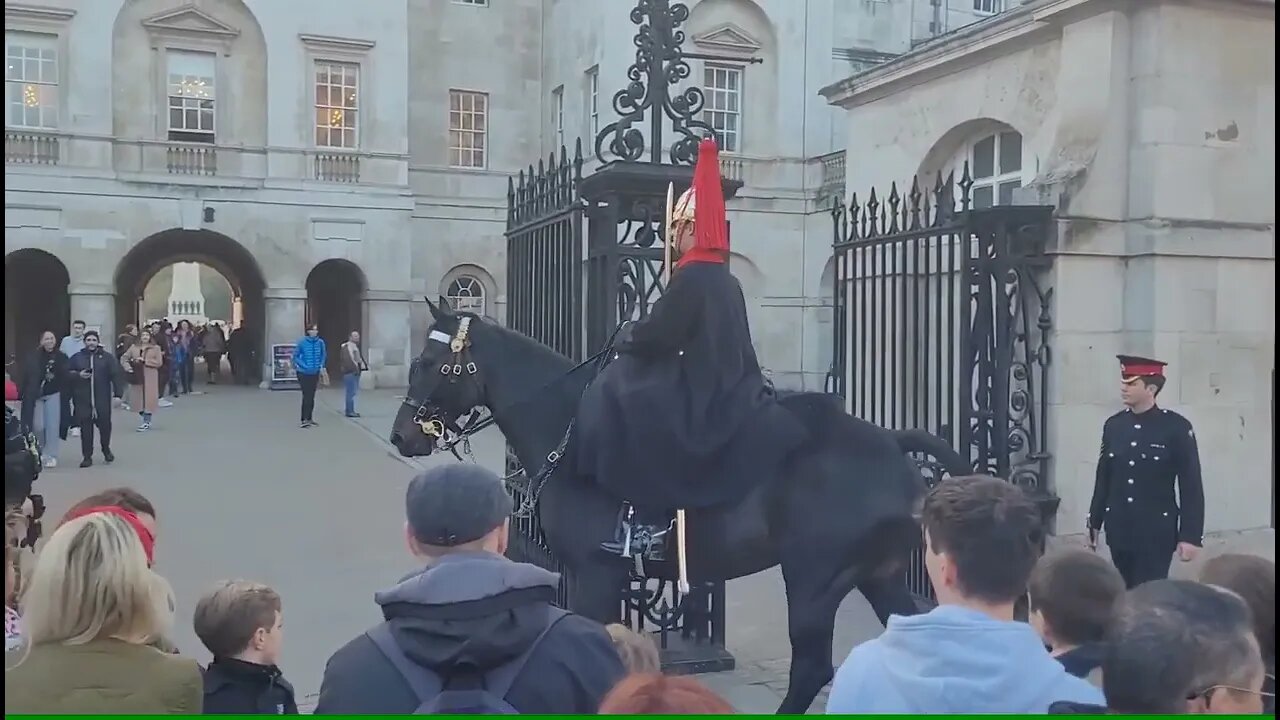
<point x="1133" y="367"/>
<point x="144" y="535"/>
<point x="710" y="231"/>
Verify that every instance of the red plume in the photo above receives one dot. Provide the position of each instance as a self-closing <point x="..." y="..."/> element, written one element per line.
<point x="710" y="229"/>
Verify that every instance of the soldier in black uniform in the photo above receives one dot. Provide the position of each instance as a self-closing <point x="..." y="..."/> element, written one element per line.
<point x="1145" y="449"/>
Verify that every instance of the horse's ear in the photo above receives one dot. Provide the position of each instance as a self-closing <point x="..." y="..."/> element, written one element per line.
<point x="435" y="311"/>
<point x="444" y="305"/>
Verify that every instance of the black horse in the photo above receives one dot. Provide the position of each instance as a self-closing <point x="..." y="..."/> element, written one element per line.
<point x="842" y="514"/>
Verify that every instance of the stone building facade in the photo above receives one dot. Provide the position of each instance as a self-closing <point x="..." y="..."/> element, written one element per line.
<point x="340" y="164"/>
<point x="1150" y="127"/>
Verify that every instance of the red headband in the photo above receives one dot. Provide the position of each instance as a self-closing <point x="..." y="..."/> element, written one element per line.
<point x="144" y="535"/>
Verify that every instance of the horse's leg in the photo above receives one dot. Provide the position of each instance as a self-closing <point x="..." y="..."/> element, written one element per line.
<point x="812" y="602"/>
<point x="888" y="595"/>
<point x="595" y="590"/>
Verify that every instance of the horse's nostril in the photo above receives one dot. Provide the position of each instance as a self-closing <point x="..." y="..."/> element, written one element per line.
<point x="396" y="437"/>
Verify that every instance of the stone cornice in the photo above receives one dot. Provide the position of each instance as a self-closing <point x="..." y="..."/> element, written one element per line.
<point x="14" y="11"/>
<point x="330" y="43"/>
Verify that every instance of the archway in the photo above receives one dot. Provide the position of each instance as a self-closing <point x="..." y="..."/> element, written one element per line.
<point x="36" y="298"/>
<point x="335" y="299"/>
<point x="217" y="251"/>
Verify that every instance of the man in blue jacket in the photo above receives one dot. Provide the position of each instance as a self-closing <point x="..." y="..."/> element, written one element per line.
<point x="309" y="358"/>
<point x="968" y="655"/>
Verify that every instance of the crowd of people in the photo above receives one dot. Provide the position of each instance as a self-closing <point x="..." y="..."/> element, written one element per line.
<point x="472" y="631"/>
<point x="67" y="388"/>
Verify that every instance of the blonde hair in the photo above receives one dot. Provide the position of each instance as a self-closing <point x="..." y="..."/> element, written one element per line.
<point x="90" y="582"/>
<point x="638" y="652"/>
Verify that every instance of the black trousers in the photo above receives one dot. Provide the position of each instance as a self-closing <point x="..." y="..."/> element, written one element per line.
<point x="308" y="383"/>
<point x="65" y="419"/>
<point x="1139" y="565"/>
<point x="103" y="423"/>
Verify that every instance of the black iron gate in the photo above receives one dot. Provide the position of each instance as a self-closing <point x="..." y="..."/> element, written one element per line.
<point x="942" y="323"/>
<point x="623" y="201"/>
<point x="544" y="295"/>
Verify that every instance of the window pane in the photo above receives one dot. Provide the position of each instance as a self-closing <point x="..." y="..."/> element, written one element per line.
<point x="982" y="197"/>
<point x="349" y="138"/>
<point x="206" y="120"/>
<point x="190" y="118"/>
<point x="30" y="69"/>
<point x="31" y="116"/>
<point x="984" y="161"/>
<point x="1010" y="152"/>
<point x="322" y="94"/>
<point x="175" y="118"/>
<point x="1006" y="191"/>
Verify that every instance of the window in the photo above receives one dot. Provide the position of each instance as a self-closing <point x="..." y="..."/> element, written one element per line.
<point x="31" y="80"/>
<point x="337" y="103"/>
<point x="989" y="7"/>
<point x="593" y="101"/>
<point x="466" y="293"/>
<point x="557" y="111"/>
<point x="722" y="87"/>
<point x="996" y="168"/>
<point x="191" y="96"/>
<point x="468" y="124"/>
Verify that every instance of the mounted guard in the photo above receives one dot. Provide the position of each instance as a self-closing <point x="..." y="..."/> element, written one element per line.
<point x="684" y="417"/>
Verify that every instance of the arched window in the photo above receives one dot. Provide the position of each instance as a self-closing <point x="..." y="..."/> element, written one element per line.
<point x="467" y="293"/>
<point x="995" y="164"/>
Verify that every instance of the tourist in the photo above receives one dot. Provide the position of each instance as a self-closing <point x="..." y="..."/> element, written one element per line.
<point x="124" y="498"/>
<point x="309" y="358"/>
<point x="12" y="620"/>
<point x="141" y="364"/>
<point x="1072" y="594"/>
<point x="44" y="380"/>
<point x="90" y="609"/>
<point x="656" y="694"/>
<point x="95" y="385"/>
<point x="214" y="344"/>
<point x="470" y="608"/>
<point x="241" y="625"/>
<point x="1253" y="578"/>
<point x="124" y="341"/>
<point x="353" y="366"/>
<point x="1177" y="646"/>
<point x="968" y="655"/>
<point x="185" y="347"/>
<point x="638" y="652"/>
<point x="69" y="346"/>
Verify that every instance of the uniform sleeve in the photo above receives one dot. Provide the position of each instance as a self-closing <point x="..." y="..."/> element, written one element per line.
<point x="1190" y="487"/>
<point x="1101" y="483"/>
<point x="670" y="322"/>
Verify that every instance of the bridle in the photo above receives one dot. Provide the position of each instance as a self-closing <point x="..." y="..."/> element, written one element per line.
<point x="428" y="418"/>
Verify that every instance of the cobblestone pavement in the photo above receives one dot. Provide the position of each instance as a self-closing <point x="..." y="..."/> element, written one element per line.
<point x="243" y="492"/>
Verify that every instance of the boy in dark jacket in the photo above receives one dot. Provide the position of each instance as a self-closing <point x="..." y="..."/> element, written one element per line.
<point x="1072" y="594"/>
<point x="241" y="624"/>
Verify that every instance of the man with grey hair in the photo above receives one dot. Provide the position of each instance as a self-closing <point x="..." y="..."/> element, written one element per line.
<point x="470" y="620"/>
<point x="1176" y="647"/>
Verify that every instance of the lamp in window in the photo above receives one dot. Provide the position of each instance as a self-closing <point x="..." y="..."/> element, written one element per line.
<point x="30" y="96"/>
<point x="335" y="118"/>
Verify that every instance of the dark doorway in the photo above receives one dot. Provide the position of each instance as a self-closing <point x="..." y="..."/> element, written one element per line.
<point x="221" y="253"/>
<point x="335" y="296"/>
<point x="36" y="298"/>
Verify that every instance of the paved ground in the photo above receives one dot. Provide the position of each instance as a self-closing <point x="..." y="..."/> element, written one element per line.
<point x="242" y="492"/>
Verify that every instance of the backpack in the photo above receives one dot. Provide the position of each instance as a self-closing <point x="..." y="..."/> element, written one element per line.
<point x="463" y="693"/>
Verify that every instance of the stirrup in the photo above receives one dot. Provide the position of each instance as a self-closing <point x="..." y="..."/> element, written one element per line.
<point x="636" y="540"/>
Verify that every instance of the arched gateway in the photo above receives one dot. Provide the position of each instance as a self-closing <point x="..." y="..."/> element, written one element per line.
<point x="36" y="299"/>
<point x="223" y="254"/>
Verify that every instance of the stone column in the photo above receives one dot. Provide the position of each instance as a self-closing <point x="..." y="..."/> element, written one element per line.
<point x="286" y="311"/>
<point x="386" y="339"/>
<point x="96" y="306"/>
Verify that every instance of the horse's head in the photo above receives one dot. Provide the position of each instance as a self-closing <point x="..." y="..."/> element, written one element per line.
<point x="444" y="383"/>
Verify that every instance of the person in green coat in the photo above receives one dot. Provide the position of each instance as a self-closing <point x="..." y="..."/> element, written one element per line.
<point x="91" y="609"/>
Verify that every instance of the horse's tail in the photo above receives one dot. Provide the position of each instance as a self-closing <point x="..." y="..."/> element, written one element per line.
<point x="923" y="441"/>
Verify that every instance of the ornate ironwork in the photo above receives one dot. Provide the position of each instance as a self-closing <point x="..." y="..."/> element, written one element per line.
<point x="659" y="66"/>
<point x="942" y="321"/>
